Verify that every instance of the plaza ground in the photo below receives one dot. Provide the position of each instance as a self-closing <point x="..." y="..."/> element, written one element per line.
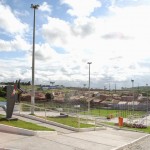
<point x="93" y="140"/>
<point x="105" y="139"/>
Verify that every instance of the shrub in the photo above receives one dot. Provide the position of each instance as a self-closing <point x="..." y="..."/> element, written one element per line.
<point x="2" y="93"/>
<point x="49" y="96"/>
<point x="130" y="125"/>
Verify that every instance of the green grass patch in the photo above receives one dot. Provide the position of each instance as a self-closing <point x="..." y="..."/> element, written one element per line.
<point x="23" y="124"/>
<point x="70" y="121"/>
<point x="2" y="99"/>
<point x="114" y="113"/>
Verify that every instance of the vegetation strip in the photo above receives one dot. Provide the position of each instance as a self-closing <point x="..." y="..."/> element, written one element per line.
<point x="24" y="125"/>
<point x="113" y="112"/>
<point x="146" y="130"/>
<point x="70" y="121"/>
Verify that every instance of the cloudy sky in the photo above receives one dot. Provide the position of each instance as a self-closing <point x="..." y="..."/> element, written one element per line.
<point x="112" y="34"/>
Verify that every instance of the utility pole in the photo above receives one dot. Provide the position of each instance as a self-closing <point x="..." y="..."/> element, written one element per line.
<point x="104" y="89"/>
<point x="34" y="7"/>
<point x="147" y="103"/>
<point x="109" y="88"/>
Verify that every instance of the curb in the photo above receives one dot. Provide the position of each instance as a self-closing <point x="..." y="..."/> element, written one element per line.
<point x="131" y="143"/>
<point x="16" y="130"/>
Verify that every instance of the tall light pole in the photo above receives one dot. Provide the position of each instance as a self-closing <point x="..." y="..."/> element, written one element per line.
<point x="33" y="61"/>
<point x="104" y="89"/>
<point x="147" y="103"/>
<point x="133" y="93"/>
<point x="89" y="63"/>
<point x="109" y="88"/>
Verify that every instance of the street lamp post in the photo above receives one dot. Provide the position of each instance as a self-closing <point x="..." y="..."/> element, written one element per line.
<point x="115" y="88"/>
<point x="104" y="89"/>
<point x="33" y="61"/>
<point x="147" y="103"/>
<point x="109" y="88"/>
<point x="133" y="94"/>
<point x="89" y="63"/>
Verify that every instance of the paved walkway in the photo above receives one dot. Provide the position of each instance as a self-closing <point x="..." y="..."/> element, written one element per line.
<point x="68" y="140"/>
<point x="93" y="140"/>
<point x="58" y="129"/>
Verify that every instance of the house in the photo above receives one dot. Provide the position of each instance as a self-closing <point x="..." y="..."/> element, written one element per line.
<point x="127" y="98"/>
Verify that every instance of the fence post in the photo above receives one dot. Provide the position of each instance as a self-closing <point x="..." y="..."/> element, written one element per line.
<point x="78" y="122"/>
<point x="68" y="110"/>
<point x="45" y="113"/>
<point x="95" y="123"/>
<point x="19" y="108"/>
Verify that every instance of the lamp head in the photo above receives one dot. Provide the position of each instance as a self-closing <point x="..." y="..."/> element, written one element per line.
<point x="89" y="63"/>
<point x="35" y="6"/>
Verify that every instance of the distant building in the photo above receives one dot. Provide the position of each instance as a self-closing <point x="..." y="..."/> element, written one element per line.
<point x="2" y="85"/>
<point x="47" y="87"/>
<point x="127" y="98"/>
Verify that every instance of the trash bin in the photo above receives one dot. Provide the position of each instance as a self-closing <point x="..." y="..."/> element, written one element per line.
<point x="120" y="119"/>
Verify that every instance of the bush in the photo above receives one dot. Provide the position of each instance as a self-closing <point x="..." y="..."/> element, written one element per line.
<point x="49" y="96"/>
<point x="141" y="126"/>
<point x="2" y="93"/>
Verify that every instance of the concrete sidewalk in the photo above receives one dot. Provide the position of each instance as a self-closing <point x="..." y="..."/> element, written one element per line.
<point x="68" y="140"/>
<point x="56" y="128"/>
<point x="94" y="140"/>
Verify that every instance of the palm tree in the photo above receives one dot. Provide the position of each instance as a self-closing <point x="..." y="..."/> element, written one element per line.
<point x="84" y="85"/>
<point x="52" y="83"/>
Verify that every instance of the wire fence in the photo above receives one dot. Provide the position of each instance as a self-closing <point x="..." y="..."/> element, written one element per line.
<point x="75" y="116"/>
<point x="95" y="117"/>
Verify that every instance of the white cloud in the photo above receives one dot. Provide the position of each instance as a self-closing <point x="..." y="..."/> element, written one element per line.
<point x="117" y="45"/>
<point x="14" y="69"/>
<point x="21" y="13"/>
<point x="81" y="8"/>
<point x="45" y="7"/>
<point x="16" y="44"/>
<point x="126" y="3"/>
<point x="9" y="22"/>
<point x="85" y="39"/>
<point x="44" y="52"/>
<point x="56" y="32"/>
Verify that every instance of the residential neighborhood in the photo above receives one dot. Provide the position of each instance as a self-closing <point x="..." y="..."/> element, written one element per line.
<point x="122" y="99"/>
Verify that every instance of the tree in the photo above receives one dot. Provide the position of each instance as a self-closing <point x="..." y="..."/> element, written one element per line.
<point x="52" y="83"/>
<point x="49" y="96"/>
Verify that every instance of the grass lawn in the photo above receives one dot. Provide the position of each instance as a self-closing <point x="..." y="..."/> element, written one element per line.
<point x="2" y="99"/>
<point x="24" y="125"/>
<point x="115" y="113"/>
<point x="70" y="121"/>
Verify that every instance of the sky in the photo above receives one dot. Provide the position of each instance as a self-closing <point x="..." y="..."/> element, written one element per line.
<point x="112" y="34"/>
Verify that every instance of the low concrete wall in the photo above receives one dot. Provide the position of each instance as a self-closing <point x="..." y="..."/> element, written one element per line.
<point x="16" y="130"/>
